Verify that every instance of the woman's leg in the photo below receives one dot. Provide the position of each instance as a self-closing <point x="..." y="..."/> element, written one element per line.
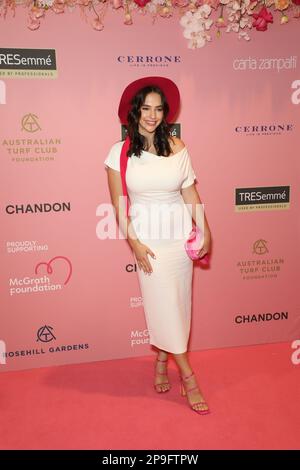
<point x="161" y="367"/>
<point x="185" y="370"/>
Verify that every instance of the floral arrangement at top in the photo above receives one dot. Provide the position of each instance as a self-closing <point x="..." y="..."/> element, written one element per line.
<point x="200" y="19"/>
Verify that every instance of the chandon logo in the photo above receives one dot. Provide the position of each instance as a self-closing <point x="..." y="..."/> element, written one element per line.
<point x="261" y="317"/>
<point x="37" y="207"/>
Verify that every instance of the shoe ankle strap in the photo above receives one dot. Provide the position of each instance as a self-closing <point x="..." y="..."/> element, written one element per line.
<point x="187" y="376"/>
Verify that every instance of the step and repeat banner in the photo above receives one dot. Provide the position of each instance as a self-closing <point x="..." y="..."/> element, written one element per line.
<point x="69" y="286"/>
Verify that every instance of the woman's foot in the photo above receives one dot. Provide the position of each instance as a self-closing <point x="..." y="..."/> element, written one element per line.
<point x="190" y="388"/>
<point x="161" y="382"/>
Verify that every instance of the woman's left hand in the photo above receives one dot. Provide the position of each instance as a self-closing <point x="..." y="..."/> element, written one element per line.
<point x="205" y="250"/>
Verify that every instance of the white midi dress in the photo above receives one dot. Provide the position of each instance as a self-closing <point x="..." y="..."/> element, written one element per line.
<point x="162" y="221"/>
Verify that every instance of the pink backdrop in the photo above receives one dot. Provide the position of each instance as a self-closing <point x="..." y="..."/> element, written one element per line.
<point x="92" y="308"/>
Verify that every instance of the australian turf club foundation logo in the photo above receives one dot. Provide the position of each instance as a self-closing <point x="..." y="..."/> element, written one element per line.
<point x="44" y="335"/>
<point x="34" y="147"/>
<point x="260" y="265"/>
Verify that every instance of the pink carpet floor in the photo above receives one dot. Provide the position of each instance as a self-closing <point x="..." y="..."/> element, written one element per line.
<point x="253" y="393"/>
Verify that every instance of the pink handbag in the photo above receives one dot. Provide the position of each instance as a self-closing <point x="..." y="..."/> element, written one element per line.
<point x="195" y="241"/>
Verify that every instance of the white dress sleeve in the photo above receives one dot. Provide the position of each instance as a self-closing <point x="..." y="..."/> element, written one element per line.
<point x="113" y="158"/>
<point x="188" y="171"/>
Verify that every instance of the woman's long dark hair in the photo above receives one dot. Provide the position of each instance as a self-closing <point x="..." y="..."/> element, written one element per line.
<point x="162" y="133"/>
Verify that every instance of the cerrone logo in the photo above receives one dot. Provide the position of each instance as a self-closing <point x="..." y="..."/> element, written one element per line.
<point x="263" y="129"/>
<point x="2" y="92"/>
<point x="149" y="60"/>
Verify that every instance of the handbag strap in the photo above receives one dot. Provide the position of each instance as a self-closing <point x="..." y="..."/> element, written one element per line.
<point x="123" y="166"/>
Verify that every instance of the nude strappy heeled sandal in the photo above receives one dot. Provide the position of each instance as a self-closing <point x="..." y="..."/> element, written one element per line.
<point x="163" y="383"/>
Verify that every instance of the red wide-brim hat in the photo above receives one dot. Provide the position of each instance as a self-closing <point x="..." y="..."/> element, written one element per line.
<point x="168" y="87"/>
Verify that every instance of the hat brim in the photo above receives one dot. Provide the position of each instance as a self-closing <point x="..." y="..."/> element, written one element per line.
<point x="168" y="87"/>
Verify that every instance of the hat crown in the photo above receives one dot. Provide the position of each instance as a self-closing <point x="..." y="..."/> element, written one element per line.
<point x="166" y="85"/>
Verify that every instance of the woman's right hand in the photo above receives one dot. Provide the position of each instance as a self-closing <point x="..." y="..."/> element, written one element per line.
<point x="141" y="252"/>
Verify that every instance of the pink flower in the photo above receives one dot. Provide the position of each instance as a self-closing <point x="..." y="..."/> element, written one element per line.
<point x="96" y="23"/>
<point x="180" y="3"/>
<point x="262" y="19"/>
<point x="220" y="22"/>
<point x="141" y="3"/>
<point x="212" y="3"/>
<point x="33" y="23"/>
<point x="36" y="13"/>
<point x="58" y="6"/>
<point x="117" y="4"/>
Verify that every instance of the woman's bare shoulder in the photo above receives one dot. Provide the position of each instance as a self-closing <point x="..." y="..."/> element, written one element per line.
<point x="176" y="144"/>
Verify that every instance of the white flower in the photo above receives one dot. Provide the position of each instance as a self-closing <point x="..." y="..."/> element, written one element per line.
<point x="45" y="3"/>
<point x="243" y="34"/>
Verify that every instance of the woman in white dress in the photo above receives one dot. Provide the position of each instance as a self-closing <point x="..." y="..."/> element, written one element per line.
<point x="160" y="184"/>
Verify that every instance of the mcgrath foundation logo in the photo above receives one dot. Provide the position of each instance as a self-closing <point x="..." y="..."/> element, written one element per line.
<point x="262" y="198"/>
<point x="139" y="337"/>
<point x="50" y="269"/>
<point x="49" y="277"/>
<point x="45" y="334"/>
<point x="27" y="63"/>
